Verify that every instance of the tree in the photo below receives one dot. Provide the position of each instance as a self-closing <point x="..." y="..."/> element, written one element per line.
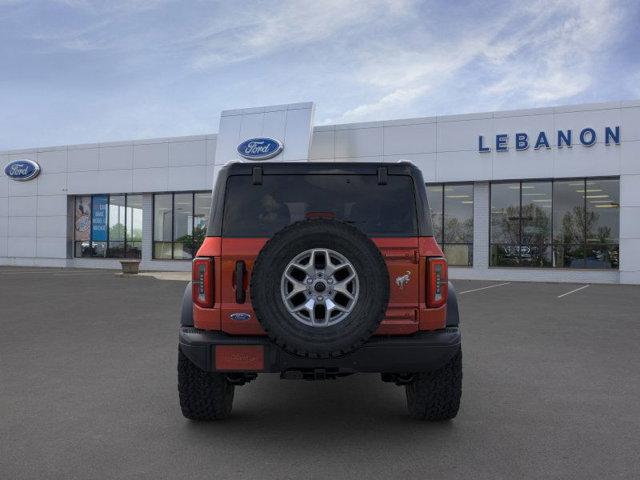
<point x="116" y="232"/>
<point x="191" y="243"/>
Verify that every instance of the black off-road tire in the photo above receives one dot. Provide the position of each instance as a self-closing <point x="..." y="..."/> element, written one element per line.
<point x="309" y="341"/>
<point x="203" y="395"/>
<point x="436" y="395"/>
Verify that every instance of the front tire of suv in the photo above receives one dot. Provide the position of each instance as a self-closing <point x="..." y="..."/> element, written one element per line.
<point x="203" y="395"/>
<point x="436" y="395"/>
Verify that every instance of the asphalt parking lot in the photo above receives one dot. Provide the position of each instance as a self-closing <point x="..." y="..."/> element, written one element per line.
<point x="551" y="389"/>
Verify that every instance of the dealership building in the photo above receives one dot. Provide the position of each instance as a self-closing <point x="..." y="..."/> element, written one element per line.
<point x="547" y="194"/>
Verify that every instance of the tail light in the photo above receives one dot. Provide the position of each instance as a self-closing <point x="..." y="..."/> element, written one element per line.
<point x="437" y="282"/>
<point x="202" y="281"/>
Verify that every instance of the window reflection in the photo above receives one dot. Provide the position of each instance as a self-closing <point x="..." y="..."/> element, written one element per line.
<point x="505" y="224"/>
<point x="565" y="223"/>
<point x="134" y="226"/>
<point x="201" y="207"/>
<point x="568" y="212"/>
<point x="180" y="224"/>
<point x="505" y="213"/>
<point x="117" y="218"/>
<point x="536" y="201"/>
<point x="603" y="223"/>
<point x="603" y="211"/>
<point x="569" y="223"/>
<point x="162" y="225"/>
<point x="434" y="196"/>
<point x="451" y="208"/>
<point x="108" y="226"/>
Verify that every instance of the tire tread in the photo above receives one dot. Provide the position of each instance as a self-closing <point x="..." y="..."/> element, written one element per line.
<point x="435" y="396"/>
<point x="203" y="395"/>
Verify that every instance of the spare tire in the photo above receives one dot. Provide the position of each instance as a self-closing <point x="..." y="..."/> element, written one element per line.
<point x="320" y="288"/>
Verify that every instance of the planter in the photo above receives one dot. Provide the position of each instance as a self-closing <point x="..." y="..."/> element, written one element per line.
<point x="130" y="266"/>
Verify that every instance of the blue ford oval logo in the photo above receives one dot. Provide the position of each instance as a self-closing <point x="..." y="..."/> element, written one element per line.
<point x="260" y="148"/>
<point x="240" y="316"/>
<point x="22" y="170"/>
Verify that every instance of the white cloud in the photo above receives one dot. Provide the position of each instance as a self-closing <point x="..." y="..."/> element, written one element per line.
<point x="159" y="68"/>
<point x="556" y="63"/>
<point x="261" y="32"/>
<point x="397" y="98"/>
<point x="544" y="52"/>
<point x="112" y="6"/>
<point x="406" y="76"/>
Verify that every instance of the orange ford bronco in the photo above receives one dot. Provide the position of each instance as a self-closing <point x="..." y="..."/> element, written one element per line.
<point x="315" y="271"/>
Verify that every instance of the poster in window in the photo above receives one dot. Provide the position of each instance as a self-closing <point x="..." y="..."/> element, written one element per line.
<point x="99" y="218"/>
<point x="83" y="219"/>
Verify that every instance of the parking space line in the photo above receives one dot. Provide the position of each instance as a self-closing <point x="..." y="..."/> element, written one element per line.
<point x="29" y="272"/>
<point x="76" y="274"/>
<point x="573" y="291"/>
<point x="484" y="288"/>
<point x="56" y="273"/>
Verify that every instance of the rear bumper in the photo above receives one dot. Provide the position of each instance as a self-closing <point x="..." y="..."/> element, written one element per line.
<point x="216" y="351"/>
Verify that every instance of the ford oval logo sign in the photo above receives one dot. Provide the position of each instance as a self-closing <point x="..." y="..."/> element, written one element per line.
<point x="22" y="170"/>
<point x="260" y="148"/>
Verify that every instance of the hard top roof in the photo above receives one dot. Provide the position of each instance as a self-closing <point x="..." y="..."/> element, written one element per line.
<point x="364" y="168"/>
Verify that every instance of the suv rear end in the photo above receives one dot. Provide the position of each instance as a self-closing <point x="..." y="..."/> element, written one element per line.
<point x="319" y="270"/>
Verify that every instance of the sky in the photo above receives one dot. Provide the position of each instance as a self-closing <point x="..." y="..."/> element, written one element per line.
<point x="80" y="71"/>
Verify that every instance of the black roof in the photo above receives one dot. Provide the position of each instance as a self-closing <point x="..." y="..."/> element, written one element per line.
<point x="363" y="168"/>
<point x="214" y="228"/>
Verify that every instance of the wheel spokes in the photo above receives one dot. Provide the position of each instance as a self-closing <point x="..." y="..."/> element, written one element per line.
<point x="331" y="306"/>
<point x="319" y="287"/>
<point x="343" y="287"/>
<point x="296" y="289"/>
<point x="332" y="269"/>
<point x="307" y="269"/>
<point x="308" y="306"/>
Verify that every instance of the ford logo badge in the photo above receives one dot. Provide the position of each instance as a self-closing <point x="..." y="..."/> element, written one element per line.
<point x="260" y="148"/>
<point x="22" y="170"/>
<point x="240" y="316"/>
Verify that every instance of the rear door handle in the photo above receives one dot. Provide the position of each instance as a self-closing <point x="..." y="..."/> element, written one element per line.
<point x="241" y="295"/>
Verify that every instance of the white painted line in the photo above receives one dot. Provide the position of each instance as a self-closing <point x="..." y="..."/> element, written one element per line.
<point x="573" y="291"/>
<point x="54" y="272"/>
<point x="69" y="274"/>
<point x="484" y="288"/>
<point x="28" y="272"/>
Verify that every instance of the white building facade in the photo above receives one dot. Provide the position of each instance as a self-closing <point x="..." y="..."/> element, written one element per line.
<point x="550" y="194"/>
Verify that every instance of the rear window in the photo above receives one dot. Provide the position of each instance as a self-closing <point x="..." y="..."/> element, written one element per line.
<point x="262" y="210"/>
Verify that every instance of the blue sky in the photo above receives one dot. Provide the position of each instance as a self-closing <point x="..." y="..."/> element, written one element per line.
<point x="76" y="71"/>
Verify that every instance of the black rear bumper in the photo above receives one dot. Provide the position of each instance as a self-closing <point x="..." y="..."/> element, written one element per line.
<point x="420" y="352"/>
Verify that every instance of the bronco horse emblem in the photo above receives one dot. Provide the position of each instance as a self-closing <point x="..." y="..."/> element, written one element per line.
<point x="402" y="280"/>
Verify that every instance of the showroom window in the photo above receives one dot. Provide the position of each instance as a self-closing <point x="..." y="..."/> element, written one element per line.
<point x="563" y="224"/>
<point x="108" y="226"/>
<point x="179" y="224"/>
<point x="451" y="206"/>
